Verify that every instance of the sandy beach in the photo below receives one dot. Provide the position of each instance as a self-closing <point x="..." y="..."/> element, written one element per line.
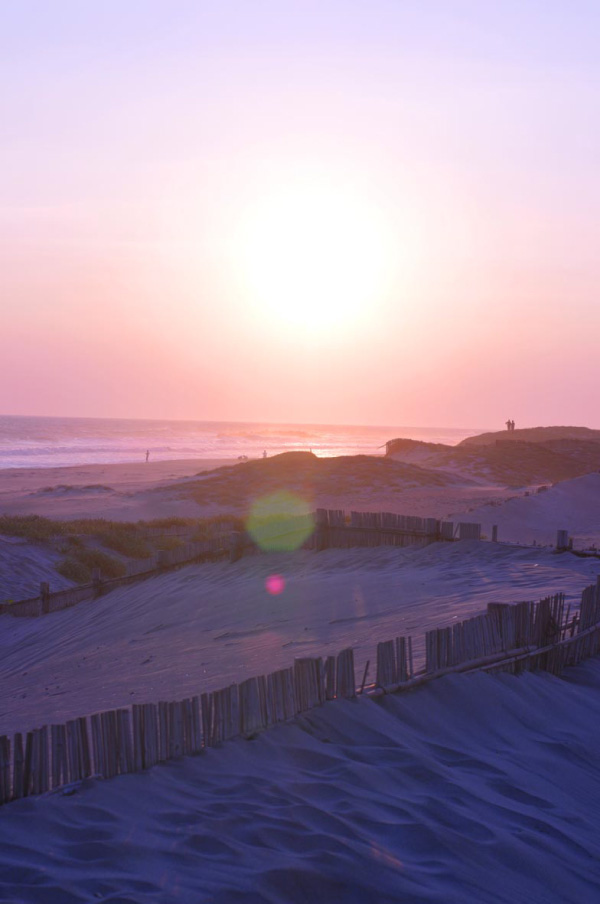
<point x="116" y="491"/>
<point x="530" y="514"/>
<point x="362" y="583"/>
<point x="187" y="487"/>
<point x="204" y="626"/>
<point x="360" y="801"/>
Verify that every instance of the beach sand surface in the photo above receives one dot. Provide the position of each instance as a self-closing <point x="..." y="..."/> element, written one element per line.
<point x="114" y="491"/>
<point x="535" y="517"/>
<point x="474" y="789"/>
<point x="200" y="488"/>
<point x="204" y="626"/>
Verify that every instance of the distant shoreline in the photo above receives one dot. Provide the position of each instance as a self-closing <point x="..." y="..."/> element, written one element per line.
<point x="29" y="442"/>
<point x="151" y="467"/>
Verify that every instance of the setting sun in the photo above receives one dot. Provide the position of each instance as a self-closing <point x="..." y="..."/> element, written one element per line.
<point x="314" y="258"/>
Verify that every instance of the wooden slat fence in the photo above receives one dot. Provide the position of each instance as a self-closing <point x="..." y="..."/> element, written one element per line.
<point x="122" y="741"/>
<point x="333" y="528"/>
<point x="212" y="548"/>
<point x="507" y="637"/>
<point x="504" y="627"/>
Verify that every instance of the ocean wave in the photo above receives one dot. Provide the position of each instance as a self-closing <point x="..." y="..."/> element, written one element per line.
<point x="55" y="442"/>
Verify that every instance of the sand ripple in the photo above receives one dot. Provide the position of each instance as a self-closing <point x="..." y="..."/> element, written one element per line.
<point x="474" y="789"/>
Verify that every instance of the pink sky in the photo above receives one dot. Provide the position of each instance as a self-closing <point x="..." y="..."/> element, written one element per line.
<point x="144" y="142"/>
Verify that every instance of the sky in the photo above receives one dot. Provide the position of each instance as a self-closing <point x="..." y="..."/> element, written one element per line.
<point x="327" y="212"/>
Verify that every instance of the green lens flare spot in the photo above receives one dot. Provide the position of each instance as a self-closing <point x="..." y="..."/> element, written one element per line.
<point x="280" y="521"/>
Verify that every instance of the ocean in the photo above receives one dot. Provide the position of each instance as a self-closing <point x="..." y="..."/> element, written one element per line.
<point x="33" y="442"/>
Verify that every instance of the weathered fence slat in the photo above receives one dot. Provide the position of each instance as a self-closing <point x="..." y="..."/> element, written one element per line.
<point x="43" y="779"/>
<point x="150" y="735"/>
<point x="5" y="786"/>
<point x="124" y="742"/>
<point x="430" y="652"/>
<point x="186" y="711"/>
<point x="97" y="748"/>
<point x="273" y="698"/>
<point x="108" y="743"/>
<point x="28" y="765"/>
<point x="163" y="725"/>
<point x="386" y="672"/>
<point x="251" y="719"/>
<point x="176" y="729"/>
<point x="403" y="670"/>
<point x="196" y="726"/>
<point x="206" y="707"/>
<point x="18" y="767"/>
<point x="289" y="694"/>
<point x="346" y="682"/>
<point x="137" y="718"/>
<point x="263" y="700"/>
<point x="330" y="678"/>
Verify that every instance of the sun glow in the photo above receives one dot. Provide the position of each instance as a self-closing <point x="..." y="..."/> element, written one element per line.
<point x="314" y="259"/>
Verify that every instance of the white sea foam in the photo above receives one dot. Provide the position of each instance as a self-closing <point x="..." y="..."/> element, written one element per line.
<point x="31" y="442"/>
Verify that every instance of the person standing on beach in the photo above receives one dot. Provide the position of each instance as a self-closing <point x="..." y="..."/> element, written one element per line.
<point x="147" y="454"/>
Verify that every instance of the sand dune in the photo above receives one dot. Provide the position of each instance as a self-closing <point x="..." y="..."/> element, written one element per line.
<point x="350" y="482"/>
<point x="419" y="479"/>
<point x="534" y="435"/>
<point x="475" y="789"/>
<point x="204" y="626"/>
<point x="507" y="462"/>
<point x="24" y="565"/>
<point x="138" y="491"/>
<point x="572" y="505"/>
<point x="116" y="491"/>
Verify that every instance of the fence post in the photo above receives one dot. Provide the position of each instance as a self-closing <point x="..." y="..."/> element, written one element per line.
<point x="163" y="721"/>
<point x="18" y="767"/>
<point x="386" y="664"/>
<point x="43" y="767"/>
<point x="97" y="582"/>
<point x="175" y="729"/>
<point x="321" y="530"/>
<point x="206" y="702"/>
<point x="330" y="678"/>
<point x="123" y="741"/>
<point x="28" y="763"/>
<point x="4" y="769"/>
<point x="251" y="718"/>
<point x="151" y="738"/>
<point x="44" y="597"/>
<point x="346" y="683"/>
<point x="235" y="546"/>
<point x="562" y="540"/>
<point x="137" y="728"/>
<point x="402" y="660"/>
<point x="289" y="692"/>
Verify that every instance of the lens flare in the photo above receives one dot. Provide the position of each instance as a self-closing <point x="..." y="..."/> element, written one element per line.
<point x="275" y="584"/>
<point x="280" y="521"/>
